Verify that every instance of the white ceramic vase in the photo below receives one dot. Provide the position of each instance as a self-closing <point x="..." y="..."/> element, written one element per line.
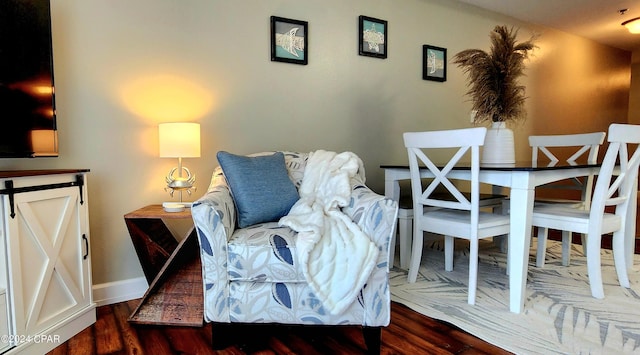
<point x="498" y="145"/>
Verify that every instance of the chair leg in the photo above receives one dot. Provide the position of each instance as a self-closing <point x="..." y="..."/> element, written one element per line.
<point x="566" y="248"/>
<point x="392" y="251"/>
<point x="501" y="241"/>
<point x="416" y="255"/>
<point x="405" y="234"/>
<point x="541" y="253"/>
<point x="619" y="257"/>
<point x="372" y="339"/>
<point x="593" y="265"/>
<point x="508" y="254"/>
<point x="473" y="270"/>
<point x="448" y="253"/>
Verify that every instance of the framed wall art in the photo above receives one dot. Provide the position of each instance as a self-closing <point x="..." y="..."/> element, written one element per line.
<point x="372" y="37"/>
<point x="434" y="63"/>
<point x="289" y="40"/>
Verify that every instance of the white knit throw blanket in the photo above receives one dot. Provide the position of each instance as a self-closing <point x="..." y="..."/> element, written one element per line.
<point x="336" y="256"/>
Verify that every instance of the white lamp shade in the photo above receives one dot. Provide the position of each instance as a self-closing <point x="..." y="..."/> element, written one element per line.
<point x="179" y="140"/>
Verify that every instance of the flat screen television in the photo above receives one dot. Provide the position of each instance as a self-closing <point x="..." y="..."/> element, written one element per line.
<point x="27" y="95"/>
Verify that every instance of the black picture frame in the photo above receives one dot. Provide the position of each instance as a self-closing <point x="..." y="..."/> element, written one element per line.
<point x="434" y="63"/>
<point x="289" y="40"/>
<point x="372" y="37"/>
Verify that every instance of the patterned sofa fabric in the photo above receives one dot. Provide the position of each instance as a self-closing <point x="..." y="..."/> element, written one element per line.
<point x="251" y="275"/>
<point x="264" y="253"/>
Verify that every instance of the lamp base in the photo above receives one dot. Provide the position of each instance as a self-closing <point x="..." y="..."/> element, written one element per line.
<point x="173" y="207"/>
<point x="175" y="203"/>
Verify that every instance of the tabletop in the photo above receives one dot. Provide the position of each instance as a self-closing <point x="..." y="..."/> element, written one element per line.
<point x="156" y="211"/>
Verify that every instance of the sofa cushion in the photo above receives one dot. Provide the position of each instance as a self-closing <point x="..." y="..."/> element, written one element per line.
<point x="260" y="185"/>
<point x="264" y="253"/>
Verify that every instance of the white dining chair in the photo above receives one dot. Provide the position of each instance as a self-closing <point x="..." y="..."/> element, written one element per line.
<point x="613" y="187"/>
<point x="457" y="218"/>
<point x="578" y="145"/>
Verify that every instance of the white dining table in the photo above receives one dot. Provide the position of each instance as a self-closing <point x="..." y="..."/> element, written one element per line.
<point x="521" y="178"/>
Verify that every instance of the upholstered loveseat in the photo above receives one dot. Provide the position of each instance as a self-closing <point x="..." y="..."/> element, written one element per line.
<point x="251" y="274"/>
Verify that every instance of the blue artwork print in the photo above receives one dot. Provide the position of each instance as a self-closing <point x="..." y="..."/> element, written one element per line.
<point x="373" y="36"/>
<point x="290" y="41"/>
<point x="435" y="63"/>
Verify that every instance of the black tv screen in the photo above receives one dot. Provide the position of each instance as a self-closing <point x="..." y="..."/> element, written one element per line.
<point x="27" y="95"/>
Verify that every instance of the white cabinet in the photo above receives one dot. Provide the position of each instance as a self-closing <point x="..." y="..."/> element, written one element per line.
<point x="4" y="321"/>
<point x="46" y="264"/>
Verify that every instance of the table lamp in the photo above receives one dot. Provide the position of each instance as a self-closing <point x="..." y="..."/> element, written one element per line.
<point x="179" y="140"/>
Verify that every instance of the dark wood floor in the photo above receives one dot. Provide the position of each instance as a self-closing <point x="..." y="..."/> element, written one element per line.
<point x="408" y="333"/>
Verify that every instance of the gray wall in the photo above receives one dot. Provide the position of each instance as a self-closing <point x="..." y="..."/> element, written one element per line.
<point x="122" y="67"/>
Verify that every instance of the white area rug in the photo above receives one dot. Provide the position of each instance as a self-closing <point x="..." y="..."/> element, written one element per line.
<point x="560" y="316"/>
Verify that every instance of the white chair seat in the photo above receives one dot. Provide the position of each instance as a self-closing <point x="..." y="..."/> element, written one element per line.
<point x="558" y="201"/>
<point x="456" y="223"/>
<point x="405" y="221"/>
<point x="574" y="219"/>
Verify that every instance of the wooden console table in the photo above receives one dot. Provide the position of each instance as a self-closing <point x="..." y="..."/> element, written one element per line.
<point x="172" y="268"/>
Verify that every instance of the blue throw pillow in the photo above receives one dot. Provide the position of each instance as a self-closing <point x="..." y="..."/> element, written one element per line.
<point x="260" y="185"/>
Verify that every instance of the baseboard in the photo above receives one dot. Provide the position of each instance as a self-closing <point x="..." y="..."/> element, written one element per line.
<point x="119" y="291"/>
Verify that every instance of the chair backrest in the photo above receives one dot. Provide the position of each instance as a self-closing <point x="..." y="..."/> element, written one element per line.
<point x="421" y="145"/>
<point x="619" y="172"/>
<point x="584" y="142"/>
<point x="579" y="144"/>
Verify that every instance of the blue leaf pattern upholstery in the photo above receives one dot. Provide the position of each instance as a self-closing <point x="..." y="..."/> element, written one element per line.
<point x="254" y="256"/>
<point x="281" y="249"/>
<point x="204" y="245"/>
<point x="252" y="275"/>
<point x="281" y="294"/>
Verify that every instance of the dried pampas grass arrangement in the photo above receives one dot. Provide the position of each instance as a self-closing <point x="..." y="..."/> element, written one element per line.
<point x="493" y="77"/>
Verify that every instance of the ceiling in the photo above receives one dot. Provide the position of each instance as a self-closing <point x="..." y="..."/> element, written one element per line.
<point x="598" y="20"/>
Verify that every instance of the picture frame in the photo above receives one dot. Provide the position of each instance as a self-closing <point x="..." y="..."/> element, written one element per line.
<point x="289" y="40"/>
<point x="434" y="63"/>
<point x="372" y="37"/>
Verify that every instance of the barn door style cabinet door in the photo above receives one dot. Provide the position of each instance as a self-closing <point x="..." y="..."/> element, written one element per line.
<point x="46" y="263"/>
